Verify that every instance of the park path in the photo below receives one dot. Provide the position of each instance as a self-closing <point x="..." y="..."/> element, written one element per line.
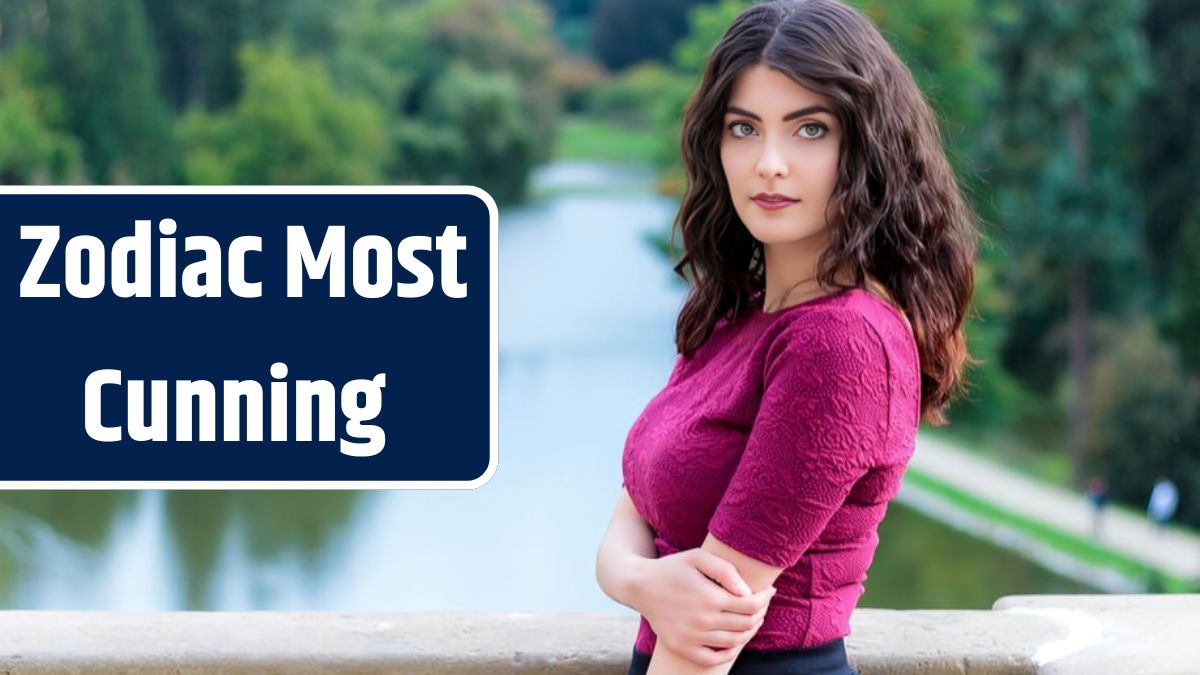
<point x="1175" y="551"/>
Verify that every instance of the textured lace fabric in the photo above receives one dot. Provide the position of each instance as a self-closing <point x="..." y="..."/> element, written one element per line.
<point x="785" y="435"/>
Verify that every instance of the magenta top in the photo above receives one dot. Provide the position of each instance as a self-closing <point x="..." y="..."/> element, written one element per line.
<point x="784" y="435"/>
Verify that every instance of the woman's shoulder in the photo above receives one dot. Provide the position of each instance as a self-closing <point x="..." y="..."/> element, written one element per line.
<point x="855" y="315"/>
<point x="852" y="338"/>
<point x="852" y="346"/>
<point x="856" y="323"/>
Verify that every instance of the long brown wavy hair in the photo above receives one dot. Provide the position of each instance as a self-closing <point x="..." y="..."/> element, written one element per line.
<point x="898" y="214"/>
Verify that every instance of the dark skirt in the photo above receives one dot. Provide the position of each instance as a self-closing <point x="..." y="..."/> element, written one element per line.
<point x="826" y="659"/>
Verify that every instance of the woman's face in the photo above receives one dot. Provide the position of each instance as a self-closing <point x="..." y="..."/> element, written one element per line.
<point x="779" y="149"/>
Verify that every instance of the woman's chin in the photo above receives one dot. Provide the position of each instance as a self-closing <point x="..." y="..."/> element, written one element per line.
<point x="773" y="234"/>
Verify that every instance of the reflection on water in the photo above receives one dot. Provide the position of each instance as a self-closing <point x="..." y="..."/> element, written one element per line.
<point x="922" y="564"/>
<point x="163" y="550"/>
<point x="586" y="323"/>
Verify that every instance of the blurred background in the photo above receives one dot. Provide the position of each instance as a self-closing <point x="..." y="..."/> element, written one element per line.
<point x="1074" y="126"/>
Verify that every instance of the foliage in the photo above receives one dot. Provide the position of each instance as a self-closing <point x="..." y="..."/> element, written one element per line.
<point x="410" y="57"/>
<point x="947" y="47"/>
<point x="1168" y="118"/>
<point x="420" y="91"/>
<point x="706" y="25"/>
<point x="1145" y="426"/>
<point x="290" y="126"/>
<point x="34" y="145"/>
<point x="572" y="23"/>
<point x="626" y="32"/>
<point x="481" y="135"/>
<point x="1071" y="74"/>
<point x="994" y="399"/>
<point x="1183" y="302"/>
<point x="571" y="9"/>
<point x="198" y="44"/>
<point x="113" y="104"/>
<point x="632" y="96"/>
<point x="576" y="79"/>
<point x="1168" y="166"/>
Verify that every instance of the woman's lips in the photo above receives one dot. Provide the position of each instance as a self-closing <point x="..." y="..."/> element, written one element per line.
<point x="773" y="204"/>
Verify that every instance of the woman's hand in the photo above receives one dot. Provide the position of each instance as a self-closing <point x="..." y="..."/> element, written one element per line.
<point x="698" y="605"/>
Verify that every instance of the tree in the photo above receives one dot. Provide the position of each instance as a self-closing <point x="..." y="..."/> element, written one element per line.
<point x="102" y="58"/>
<point x="290" y="126"/>
<point x="573" y="23"/>
<point x="625" y="32"/>
<point x="20" y="20"/>
<point x="1145" y="426"/>
<point x="481" y="135"/>
<point x="1169" y="164"/>
<point x="438" y="68"/>
<point x="1071" y="72"/>
<point x="198" y="44"/>
<point x="34" y="145"/>
<point x="571" y="9"/>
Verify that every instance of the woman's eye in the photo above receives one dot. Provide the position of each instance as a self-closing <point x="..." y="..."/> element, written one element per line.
<point x="742" y="127"/>
<point x="812" y="131"/>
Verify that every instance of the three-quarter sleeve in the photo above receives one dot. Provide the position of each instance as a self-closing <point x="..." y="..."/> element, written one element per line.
<point x="822" y="419"/>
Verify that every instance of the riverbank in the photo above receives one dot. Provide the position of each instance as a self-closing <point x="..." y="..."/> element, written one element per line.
<point x="1046" y="522"/>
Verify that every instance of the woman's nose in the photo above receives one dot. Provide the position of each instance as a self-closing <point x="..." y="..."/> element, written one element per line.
<point x="772" y="163"/>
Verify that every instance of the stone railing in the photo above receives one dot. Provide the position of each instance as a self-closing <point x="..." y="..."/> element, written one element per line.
<point x="1092" y="635"/>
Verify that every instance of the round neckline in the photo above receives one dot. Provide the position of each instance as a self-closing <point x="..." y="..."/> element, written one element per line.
<point x="895" y="311"/>
<point x="758" y="307"/>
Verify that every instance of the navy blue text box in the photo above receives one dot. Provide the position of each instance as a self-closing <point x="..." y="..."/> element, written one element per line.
<point x="434" y="355"/>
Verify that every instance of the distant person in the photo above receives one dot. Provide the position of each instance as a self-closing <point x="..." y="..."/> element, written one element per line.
<point x="1097" y="492"/>
<point x="1164" y="499"/>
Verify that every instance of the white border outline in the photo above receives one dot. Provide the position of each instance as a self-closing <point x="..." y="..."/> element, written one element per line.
<point x="493" y="350"/>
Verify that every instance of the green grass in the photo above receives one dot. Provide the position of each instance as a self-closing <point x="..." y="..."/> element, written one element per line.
<point x="1011" y="452"/>
<point x="1020" y="455"/>
<point x="1082" y="549"/>
<point x="583" y="138"/>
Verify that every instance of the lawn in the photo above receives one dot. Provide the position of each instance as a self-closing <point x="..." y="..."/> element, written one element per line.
<point x="584" y="138"/>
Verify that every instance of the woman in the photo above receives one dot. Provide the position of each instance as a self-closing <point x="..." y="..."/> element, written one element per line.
<point x="831" y="255"/>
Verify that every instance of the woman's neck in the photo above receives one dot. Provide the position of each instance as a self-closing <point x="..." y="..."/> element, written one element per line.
<point x="790" y="272"/>
<point x="791" y="276"/>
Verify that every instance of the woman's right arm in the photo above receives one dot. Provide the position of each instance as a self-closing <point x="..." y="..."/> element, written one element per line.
<point x="696" y="602"/>
<point x="627" y="545"/>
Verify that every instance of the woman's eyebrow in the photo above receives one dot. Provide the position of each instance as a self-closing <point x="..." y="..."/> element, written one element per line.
<point x="786" y="118"/>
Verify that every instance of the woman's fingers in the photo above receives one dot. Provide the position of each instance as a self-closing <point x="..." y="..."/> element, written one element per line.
<point x="719" y="570"/>
<point x="727" y="621"/>
<point x="750" y="604"/>
<point x="724" y="639"/>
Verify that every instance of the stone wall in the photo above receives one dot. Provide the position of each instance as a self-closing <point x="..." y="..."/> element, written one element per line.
<point x="1092" y="635"/>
